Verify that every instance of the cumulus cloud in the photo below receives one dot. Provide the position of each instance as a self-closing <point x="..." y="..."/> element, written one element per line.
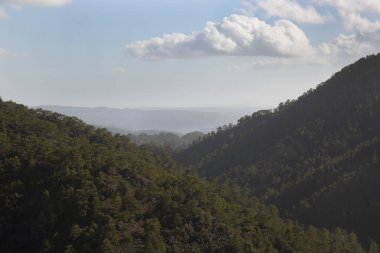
<point x="247" y="8"/>
<point x="358" y="17"/>
<point x="343" y="49"/>
<point x="281" y="43"/>
<point x="354" y="13"/>
<point x="351" y="46"/>
<point x="235" y="35"/>
<point x="353" y="5"/>
<point x="356" y="22"/>
<point x="292" y="10"/>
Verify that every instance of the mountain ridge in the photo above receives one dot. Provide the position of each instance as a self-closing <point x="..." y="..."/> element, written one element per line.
<point x="70" y="187"/>
<point x="296" y="156"/>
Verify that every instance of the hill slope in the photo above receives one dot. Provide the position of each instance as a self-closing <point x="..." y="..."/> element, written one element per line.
<point x="69" y="187"/>
<point x="170" y="140"/>
<point x="317" y="158"/>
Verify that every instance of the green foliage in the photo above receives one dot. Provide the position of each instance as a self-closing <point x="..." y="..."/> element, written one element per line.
<point x="316" y="158"/>
<point x="69" y="187"/>
<point x="168" y="140"/>
<point x="154" y="242"/>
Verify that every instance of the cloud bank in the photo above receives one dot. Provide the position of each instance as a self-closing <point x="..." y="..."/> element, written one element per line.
<point x="353" y="13"/>
<point x="351" y="46"/>
<point x="359" y="17"/>
<point x="246" y="35"/>
<point x="236" y="35"/>
<point x="292" y="10"/>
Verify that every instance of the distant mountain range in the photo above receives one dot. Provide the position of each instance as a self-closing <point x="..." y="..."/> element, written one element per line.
<point x="155" y="120"/>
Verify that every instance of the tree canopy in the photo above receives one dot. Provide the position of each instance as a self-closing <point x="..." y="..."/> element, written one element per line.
<point x="316" y="158"/>
<point x="69" y="187"/>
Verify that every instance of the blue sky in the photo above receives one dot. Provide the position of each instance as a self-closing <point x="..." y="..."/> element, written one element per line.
<point x="166" y="53"/>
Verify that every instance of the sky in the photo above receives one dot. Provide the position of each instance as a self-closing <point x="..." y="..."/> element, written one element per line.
<point x="178" y="53"/>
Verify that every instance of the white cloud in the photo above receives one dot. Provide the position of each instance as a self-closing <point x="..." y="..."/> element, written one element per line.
<point x="350" y="47"/>
<point x="292" y="10"/>
<point x="247" y="8"/>
<point x="343" y="49"/>
<point x="353" y="5"/>
<point x="356" y="22"/>
<point x="235" y="35"/>
<point x="353" y="13"/>
<point x="21" y="3"/>
<point x="343" y="46"/>
<point x="355" y="16"/>
<point x="280" y="44"/>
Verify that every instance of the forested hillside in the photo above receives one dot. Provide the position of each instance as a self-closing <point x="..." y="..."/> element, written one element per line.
<point x="316" y="158"/>
<point x="166" y="140"/>
<point x="68" y="187"/>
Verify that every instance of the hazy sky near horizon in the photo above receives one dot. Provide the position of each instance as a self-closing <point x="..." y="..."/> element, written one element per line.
<point x="178" y="53"/>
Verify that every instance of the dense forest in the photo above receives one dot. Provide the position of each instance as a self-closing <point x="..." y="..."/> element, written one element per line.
<point x="316" y="158"/>
<point x="69" y="187"/>
<point x="166" y="139"/>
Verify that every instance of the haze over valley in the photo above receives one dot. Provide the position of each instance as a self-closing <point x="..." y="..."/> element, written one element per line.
<point x="155" y="120"/>
<point x="218" y="126"/>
